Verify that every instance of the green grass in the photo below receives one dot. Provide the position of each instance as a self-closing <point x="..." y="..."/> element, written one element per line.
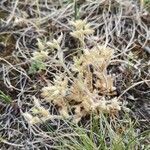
<point x="147" y="5"/>
<point x="102" y="134"/>
<point x="5" y="98"/>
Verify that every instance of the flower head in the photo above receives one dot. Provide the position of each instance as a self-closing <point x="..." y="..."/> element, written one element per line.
<point x="41" y="56"/>
<point x="82" y="29"/>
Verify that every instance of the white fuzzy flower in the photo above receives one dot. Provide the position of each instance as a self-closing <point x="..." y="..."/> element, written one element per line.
<point x="55" y="44"/>
<point x="82" y="29"/>
<point x="42" y="55"/>
<point x="114" y="104"/>
<point x="40" y="45"/>
<point x="27" y="116"/>
<point x="78" y="24"/>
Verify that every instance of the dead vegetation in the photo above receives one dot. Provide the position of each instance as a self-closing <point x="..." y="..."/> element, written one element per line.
<point x="74" y="74"/>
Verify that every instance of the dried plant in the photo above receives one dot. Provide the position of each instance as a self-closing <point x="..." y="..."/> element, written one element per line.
<point x="38" y="59"/>
<point x="74" y="74"/>
<point x="37" y="114"/>
<point x="82" y="29"/>
<point x="89" y="91"/>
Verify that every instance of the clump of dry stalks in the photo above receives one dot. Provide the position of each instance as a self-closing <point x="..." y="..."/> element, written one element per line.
<point x="89" y="89"/>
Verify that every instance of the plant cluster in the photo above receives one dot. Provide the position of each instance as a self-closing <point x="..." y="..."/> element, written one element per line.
<point x="88" y="88"/>
<point x="62" y="61"/>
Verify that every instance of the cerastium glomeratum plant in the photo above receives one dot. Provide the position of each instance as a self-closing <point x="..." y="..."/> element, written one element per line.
<point x="87" y="88"/>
